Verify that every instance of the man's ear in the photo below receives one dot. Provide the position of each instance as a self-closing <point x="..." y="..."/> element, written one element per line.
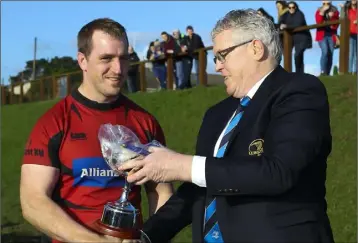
<point x="82" y="61"/>
<point x="257" y="49"/>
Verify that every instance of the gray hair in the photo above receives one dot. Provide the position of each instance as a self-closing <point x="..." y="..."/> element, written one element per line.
<point x="248" y="24"/>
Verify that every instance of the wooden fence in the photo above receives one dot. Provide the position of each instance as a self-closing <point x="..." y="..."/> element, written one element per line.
<point x="48" y="86"/>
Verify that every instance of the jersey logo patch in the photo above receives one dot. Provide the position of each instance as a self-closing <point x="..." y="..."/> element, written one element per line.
<point x="78" y="136"/>
<point x="94" y="172"/>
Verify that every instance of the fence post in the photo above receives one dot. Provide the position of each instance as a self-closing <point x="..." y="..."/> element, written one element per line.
<point x="202" y="67"/>
<point x="143" y="86"/>
<point x="3" y="95"/>
<point x="287" y="50"/>
<point x="344" y="43"/>
<point x="170" y="72"/>
<point x="29" y="93"/>
<point x="54" y="87"/>
<point x="11" y="98"/>
<point x="42" y="89"/>
<point x="68" y="83"/>
<point x="21" y="98"/>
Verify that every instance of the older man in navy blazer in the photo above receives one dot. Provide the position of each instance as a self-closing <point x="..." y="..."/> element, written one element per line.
<point x="260" y="166"/>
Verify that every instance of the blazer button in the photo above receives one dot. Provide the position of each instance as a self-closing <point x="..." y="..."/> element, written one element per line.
<point x="220" y="190"/>
<point x="237" y="190"/>
<point x="225" y="190"/>
<point x="230" y="190"/>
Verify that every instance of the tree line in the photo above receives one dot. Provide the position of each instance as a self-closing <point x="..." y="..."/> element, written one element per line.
<point x="45" y="67"/>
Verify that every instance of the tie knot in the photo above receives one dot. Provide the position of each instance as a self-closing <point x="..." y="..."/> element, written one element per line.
<point x="245" y="101"/>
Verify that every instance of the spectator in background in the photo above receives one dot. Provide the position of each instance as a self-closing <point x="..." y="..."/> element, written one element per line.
<point x="195" y="42"/>
<point x="170" y="47"/>
<point x="351" y="10"/>
<point x="263" y="12"/>
<point x="187" y="60"/>
<point x="181" y="62"/>
<point x="301" y="40"/>
<point x="132" y="79"/>
<point x="281" y="7"/>
<point x="155" y="54"/>
<point x="325" y="36"/>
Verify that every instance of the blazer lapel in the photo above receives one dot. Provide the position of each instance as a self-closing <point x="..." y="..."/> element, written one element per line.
<point x="260" y="97"/>
<point x="219" y="121"/>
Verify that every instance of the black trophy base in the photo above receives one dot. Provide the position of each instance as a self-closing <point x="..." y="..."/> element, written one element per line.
<point x="123" y="233"/>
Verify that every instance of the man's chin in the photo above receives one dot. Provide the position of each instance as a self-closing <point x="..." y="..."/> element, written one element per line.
<point x="111" y="97"/>
<point x="229" y="91"/>
<point x="116" y="85"/>
<point x="113" y="91"/>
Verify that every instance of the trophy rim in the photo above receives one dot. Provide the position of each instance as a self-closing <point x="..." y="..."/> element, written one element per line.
<point x="112" y="207"/>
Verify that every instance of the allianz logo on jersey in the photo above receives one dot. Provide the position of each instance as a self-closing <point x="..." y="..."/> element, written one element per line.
<point x="98" y="172"/>
<point x="94" y="172"/>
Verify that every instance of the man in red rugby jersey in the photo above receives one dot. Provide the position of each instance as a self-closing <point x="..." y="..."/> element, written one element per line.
<point x="65" y="181"/>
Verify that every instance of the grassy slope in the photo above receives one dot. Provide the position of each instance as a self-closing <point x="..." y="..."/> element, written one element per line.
<point x="180" y="115"/>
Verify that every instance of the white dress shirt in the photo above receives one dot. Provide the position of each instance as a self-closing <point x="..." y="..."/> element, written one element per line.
<point x="198" y="163"/>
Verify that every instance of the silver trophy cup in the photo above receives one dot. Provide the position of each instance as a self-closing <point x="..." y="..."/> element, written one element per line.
<point x="120" y="214"/>
<point x="119" y="218"/>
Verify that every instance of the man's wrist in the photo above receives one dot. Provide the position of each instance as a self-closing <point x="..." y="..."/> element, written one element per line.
<point x="184" y="168"/>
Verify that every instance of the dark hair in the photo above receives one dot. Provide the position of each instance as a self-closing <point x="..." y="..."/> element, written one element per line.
<point x="189" y="27"/>
<point x="265" y="14"/>
<point x="109" y="26"/>
<point x="348" y="5"/>
<point x="151" y="44"/>
<point x="164" y="33"/>
<point x="294" y="3"/>
<point x="263" y="11"/>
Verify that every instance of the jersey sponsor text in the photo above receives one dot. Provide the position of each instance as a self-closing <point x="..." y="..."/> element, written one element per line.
<point x="98" y="172"/>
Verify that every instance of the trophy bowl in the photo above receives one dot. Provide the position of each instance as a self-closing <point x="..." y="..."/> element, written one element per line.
<point x="120" y="218"/>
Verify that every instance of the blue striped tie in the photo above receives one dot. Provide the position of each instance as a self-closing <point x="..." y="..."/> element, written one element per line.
<point x="212" y="231"/>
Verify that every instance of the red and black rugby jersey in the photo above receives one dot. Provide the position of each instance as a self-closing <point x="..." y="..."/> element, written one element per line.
<point x="66" y="137"/>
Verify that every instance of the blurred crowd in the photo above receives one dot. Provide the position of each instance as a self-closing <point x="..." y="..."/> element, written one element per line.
<point x="289" y="16"/>
<point x="172" y="44"/>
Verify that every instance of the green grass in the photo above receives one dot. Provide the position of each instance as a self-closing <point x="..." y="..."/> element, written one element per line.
<point x="180" y="114"/>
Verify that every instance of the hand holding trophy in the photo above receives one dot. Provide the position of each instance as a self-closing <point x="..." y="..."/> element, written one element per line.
<point x="120" y="218"/>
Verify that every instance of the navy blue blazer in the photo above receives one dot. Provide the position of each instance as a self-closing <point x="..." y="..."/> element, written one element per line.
<point x="270" y="184"/>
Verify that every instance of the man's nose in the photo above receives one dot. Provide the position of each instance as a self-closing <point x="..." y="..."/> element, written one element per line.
<point x="218" y="66"/>
<point x="117" y="66"/>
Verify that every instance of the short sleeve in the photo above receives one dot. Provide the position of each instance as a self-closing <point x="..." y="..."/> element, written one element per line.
<point x="43" y="144"/>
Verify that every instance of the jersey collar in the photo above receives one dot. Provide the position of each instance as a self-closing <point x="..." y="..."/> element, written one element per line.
<point x="94" y="104"/>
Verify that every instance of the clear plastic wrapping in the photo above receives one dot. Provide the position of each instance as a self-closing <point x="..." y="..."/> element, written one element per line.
<point x="119" y="144"/>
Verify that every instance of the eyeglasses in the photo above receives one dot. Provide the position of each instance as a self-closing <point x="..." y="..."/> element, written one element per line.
<point x="291" y="7"/>
<point x="223" y="53"/>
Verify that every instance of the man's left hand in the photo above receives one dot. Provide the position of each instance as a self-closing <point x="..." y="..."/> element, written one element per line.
<point x="161" y="165"/>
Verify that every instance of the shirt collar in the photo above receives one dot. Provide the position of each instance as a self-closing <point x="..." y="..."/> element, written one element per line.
<point x="254" y="88"/>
